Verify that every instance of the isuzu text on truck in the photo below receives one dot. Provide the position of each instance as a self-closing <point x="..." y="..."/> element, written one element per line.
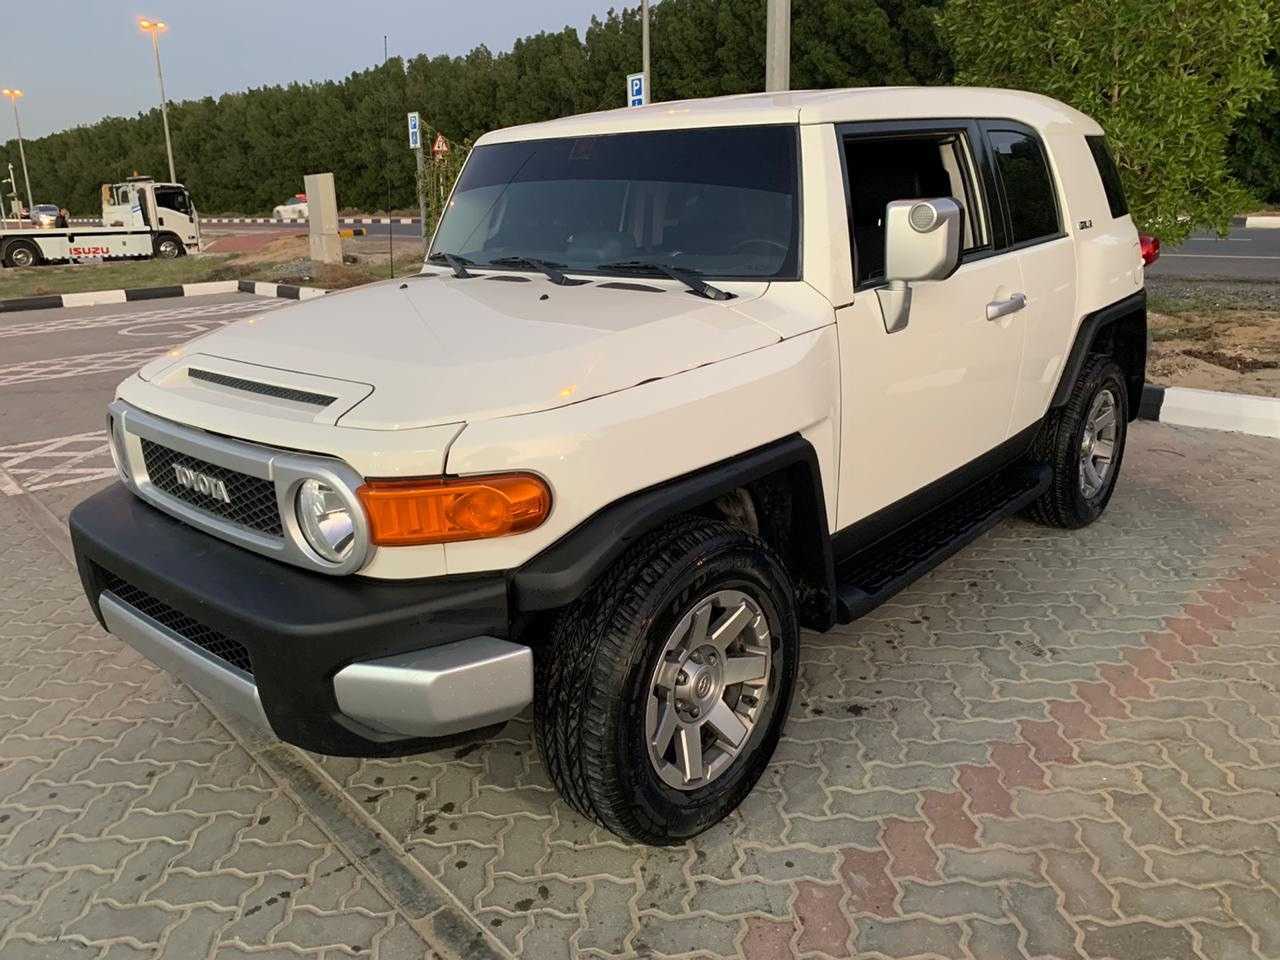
<point x="673" y="383"/>
<point x="140" y="219"/>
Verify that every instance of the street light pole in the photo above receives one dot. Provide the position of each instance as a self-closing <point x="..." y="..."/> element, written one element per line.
<point x="13" y="96"/>
<point x="644" y="49"/>
<point x="155" y="28"/>
<point x="777" y="46"/>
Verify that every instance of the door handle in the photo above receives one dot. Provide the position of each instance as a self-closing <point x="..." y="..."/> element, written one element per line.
<point x="1002" y="308"/>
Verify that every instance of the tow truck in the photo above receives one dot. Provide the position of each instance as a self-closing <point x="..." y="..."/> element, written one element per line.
<point x="140" y="218"/>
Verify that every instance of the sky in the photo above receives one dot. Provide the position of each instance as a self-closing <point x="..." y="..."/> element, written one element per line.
<point x="77" y="61"/>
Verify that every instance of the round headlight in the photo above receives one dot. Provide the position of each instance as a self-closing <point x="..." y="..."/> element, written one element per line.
<point x="325" y="520"/>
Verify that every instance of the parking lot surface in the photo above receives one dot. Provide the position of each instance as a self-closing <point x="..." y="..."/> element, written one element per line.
<point x="1058" y="744"/>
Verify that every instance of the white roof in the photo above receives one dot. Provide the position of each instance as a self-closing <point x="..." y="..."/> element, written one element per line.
<point x="815" y="106"/>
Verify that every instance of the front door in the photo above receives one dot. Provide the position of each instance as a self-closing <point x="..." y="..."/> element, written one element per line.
<point x="928" y="399"/>
<point x="174" y="212"/>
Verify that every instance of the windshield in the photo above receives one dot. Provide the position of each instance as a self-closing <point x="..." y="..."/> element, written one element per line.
<point x="722" y="202"/>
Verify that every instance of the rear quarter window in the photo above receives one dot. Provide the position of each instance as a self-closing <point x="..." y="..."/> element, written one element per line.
<point x="1110" y="175"/>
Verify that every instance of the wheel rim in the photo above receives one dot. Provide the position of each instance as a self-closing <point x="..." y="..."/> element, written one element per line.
<point x="1098" y="444"/>
<point x="708" y="689"/>
<point x="22" y="257"/>
<point x="168" y="248"/>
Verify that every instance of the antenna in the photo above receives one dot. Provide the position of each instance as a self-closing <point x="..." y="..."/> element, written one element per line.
<point x="386" y="149"/>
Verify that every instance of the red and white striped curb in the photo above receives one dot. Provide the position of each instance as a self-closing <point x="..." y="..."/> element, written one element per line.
<point x="290" y="222"/>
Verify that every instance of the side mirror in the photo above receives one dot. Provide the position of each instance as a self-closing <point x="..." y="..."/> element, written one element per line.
<point x="921" y="242"/>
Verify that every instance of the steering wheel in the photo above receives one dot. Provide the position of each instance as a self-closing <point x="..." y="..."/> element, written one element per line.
<point x="758" y="242"/>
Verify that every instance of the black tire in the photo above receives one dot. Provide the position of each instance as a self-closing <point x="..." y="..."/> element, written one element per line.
<point x="1066" y="504"/>
<point x="22" y="253"/>
<point x="168" y="247"/>
<point x="593" y="676"/>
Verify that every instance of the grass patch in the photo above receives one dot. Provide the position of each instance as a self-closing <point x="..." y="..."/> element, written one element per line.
<point x="133" y="274"/>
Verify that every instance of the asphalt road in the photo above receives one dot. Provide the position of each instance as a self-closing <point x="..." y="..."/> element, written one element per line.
<point x="1241" y="255"/>
<point x="1061" y="744"/>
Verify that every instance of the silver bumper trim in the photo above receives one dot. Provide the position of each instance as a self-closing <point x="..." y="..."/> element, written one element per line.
<point x="166" y="649"/>
<point x="440" y="691"/>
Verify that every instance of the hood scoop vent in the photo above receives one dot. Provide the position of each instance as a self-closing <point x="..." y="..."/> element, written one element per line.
<point x="265" y="389"/>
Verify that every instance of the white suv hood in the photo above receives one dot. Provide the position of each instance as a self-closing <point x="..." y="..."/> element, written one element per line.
<point x="437" y="349"/>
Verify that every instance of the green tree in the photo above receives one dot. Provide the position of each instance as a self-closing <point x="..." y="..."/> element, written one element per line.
<point x="1167" y="79"/>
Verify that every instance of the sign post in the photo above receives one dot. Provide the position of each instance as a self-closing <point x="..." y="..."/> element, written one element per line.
<point x="415" y="144"/>
<point x="637" y="90"/>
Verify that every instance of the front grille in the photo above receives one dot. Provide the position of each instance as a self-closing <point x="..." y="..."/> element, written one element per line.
<point x="211" y="641"/>
<point x="253" y="500"/>
<point x="266" y="389"/>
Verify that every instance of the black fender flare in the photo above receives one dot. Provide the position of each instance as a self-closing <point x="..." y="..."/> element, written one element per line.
<point x="1128" y="317"/>
<point x="563" y="571"/>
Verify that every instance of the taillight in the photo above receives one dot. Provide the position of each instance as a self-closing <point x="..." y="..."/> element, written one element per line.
<point x="406" y="512"/>
<point x="1150" y="248"/>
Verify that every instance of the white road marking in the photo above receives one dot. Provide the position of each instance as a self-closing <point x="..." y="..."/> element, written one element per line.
<point x="58" y="368"/>
<point x="233" y="309"/>
<point x="58" y="462"/>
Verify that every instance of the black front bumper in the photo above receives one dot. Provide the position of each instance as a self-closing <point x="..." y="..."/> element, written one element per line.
<point x="298" y="628"/>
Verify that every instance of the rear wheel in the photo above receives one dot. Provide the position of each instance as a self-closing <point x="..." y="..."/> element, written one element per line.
<point x="662" y="691"/>
<point x="22" y="253"/>
<point x="1083" y="442"/>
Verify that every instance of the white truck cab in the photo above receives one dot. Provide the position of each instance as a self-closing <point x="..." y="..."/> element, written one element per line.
<point x="140" y="218"/>
<point x="672" y="383"/>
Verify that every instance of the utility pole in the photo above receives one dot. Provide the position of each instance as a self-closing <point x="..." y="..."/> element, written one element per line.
<point x="644" y="49"/>
<point x="13" y="96"/>
<point x="777" y="46"/>
<point x="155" y="28"/>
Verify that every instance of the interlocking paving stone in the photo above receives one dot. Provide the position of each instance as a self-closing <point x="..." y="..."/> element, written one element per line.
<point x="123" y="801"/>
<point x="1064" y="744"/>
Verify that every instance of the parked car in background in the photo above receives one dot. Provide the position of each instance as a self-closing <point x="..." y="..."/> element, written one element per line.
<point x="46" y="215"/>
<point x="294" y="208"/>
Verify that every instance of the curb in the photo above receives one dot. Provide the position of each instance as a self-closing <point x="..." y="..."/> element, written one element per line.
<point x="95" y="298"/>
<point x="290" y="222"/>
<point x="1263" y="221"/>
<point x="1211" y="410"/>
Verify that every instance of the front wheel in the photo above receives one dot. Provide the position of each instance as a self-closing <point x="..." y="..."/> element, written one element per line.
<point x="661" y="693"/>
<point x="1083" y="443"/>
<point x="168" y="248"/>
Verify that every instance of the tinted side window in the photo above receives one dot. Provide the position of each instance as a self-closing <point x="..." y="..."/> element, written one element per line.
<point x="172" y="199"/>
<point x="1028" y="191"/>
<point x="915" y="167"/>
<point x="1109" y="174"/>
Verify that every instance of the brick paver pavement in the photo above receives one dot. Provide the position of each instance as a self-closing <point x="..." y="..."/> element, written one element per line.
<point x="1057" y="744"/>
<point x="132" y="824"/>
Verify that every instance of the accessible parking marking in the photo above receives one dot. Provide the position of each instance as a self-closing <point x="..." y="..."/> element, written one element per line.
<point x="58" y="462"/>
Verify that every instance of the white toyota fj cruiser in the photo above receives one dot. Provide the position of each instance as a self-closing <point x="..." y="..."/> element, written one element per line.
<point x="673" y="382"/>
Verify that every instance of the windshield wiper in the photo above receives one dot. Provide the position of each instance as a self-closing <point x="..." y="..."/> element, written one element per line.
<point x="543" y="266"/>
<point x="456" y="263"/>
<point x="685" y="275"/>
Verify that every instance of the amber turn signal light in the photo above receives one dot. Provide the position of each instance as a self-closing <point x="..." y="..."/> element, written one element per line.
<point x="406" y="512"/>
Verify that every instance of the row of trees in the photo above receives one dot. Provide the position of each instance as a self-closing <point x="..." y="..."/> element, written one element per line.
<point x="1172" y="80"/>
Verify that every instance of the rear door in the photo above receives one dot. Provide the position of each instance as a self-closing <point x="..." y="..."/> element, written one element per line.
<point x="930" y="398"/>
<point x="1035" y="222"/>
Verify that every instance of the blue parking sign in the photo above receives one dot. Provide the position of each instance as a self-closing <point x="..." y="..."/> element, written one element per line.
<point x="637" y="95"/>
<point x="415" y="131"/>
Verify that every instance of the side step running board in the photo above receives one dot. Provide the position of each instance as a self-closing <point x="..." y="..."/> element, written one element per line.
<point x="871" y="576"/>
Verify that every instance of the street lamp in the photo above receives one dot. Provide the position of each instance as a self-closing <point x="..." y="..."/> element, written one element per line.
<point x="13" y="96"/>
<point x="155" y="28"/>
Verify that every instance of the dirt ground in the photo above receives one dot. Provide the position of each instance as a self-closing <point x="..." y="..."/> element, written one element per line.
<point x="1215" y="337"/>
